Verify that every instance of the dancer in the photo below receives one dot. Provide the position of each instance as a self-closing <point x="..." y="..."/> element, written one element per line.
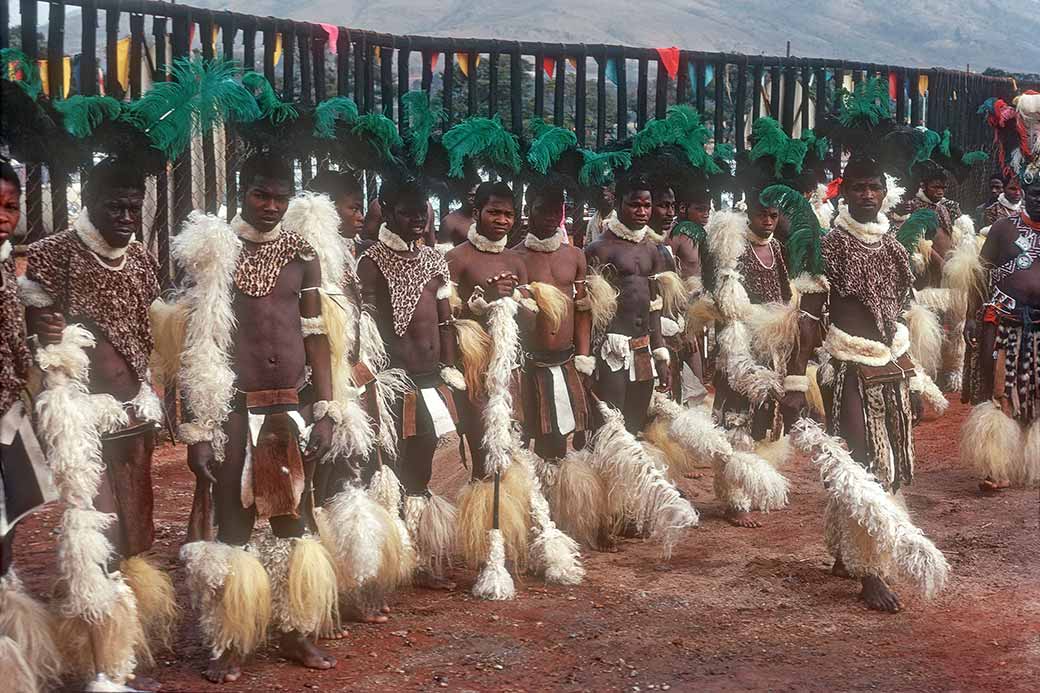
<point x="625" y="372"/>
<point x="760" y="382"/>
<point x="455" y="224"/>
<point x="557" y="366"/>
<point x="406" y="287"/>
<point x="255" y="329"/>
<point x="97" y="275"/>
<point x="345" y="192"/>
<point x="996" y="189"/>
<point x="27" y="649"/>
<point x="1008" y="202"/>
<point x="495" y="506"/>
<point x="1002" y="435"/>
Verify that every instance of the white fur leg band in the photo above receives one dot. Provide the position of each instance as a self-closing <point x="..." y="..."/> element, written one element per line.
<point x="313" y="326"/>
<point x="453" y="378"/>
<point x="586" y="365"/>
<point x="656" y="304"/>
<point x="661" y="354"/>
<point x="796" y="383"/>
<point x="333" y="410"/>
<point x="192" y="433"/>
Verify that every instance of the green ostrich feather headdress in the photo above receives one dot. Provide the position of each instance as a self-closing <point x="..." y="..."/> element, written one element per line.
<point x="683" y="128"/>
<point x="917" y="226"/>
<point x="485" y="141"/>
<point x="199" y="96"/>
<point x="599" y="168"/>
<point x="421" y="119"/>
<point x="804" y="248"/>
<point x="772" y="144"/>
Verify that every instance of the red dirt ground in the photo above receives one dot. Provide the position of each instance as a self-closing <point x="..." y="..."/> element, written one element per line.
<point x="736" y="609"/>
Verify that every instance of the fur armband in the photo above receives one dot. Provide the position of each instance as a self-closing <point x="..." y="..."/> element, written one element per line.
<point x="313" y="326"/>
<point x="453" y="378"/>
<point x="331" y="409"/>
<point x="444" y="291"/>
<point x="32" y="294"/>
<point x="806" y="283"/>
<point x="656" y="304"/>
<point x="583" y="304"/>
<point x="669" y="327"/>
<point x="193" y="432"/>
<point x="586" y="365"/>
<point x="661" y="354"/>
<point x="796" y="383"/>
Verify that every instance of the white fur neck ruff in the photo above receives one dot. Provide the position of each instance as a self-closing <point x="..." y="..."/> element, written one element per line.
<point x="92" y="238"/>
<point x="393" y="241"/>
<point x="5" y="251"/>
<point x="544" y="245"/>
<point x="247" y="232"/>
<point x="1008" y="205"/>
<point x="924" y="198"/>
<point x="755" y="239"/>
<point x="484" y="244"/>
<point x="654" y="237"/>
<point x="616" y="227"/>
<point x="870" y="232"/>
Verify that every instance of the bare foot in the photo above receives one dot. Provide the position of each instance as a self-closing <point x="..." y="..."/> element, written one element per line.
<point x="739" y="518"/>
<point x="224" y="669"/>
<point x="375" y="619"/>
<point x="988" y="485"/>
<point x="877" y="595"/>
<point x="297" y="648"/>
<point x="425" y="578"/>
<point x="839" y="569"/>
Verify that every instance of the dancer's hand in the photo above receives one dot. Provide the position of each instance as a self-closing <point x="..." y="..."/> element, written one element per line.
<point x="501" y="285"/>
<point x="202" y="462"/>
<point x="320" y="441"/>
<point x="793" y="405"/>
<point x="47" y="325"/>
<point x="664" y="376"/>
<point x="969" y="333"/>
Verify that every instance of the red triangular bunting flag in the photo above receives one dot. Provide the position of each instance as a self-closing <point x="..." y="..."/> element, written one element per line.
<point x="549" y="65"/>
<point x="434" y="57"/>
<point x="670" y="59"/>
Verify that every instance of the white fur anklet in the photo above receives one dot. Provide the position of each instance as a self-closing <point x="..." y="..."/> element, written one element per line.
<point x="796" y="383"/>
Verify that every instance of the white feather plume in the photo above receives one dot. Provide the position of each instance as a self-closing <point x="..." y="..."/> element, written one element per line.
<point x="207" y="249"/>
<point x="898" y="547"/>
<point x="638" y="486"/>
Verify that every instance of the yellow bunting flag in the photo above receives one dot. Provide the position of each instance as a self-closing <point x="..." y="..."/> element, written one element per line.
<point x="922" y="84"/>
<point x="123" y="62"/>
<point x="277" y="48"/>
<point x="67" y="72"/>
<point x="216" y="30"/>
<point x="463" y="59"/>
<point x="573" y="62"/>
<point x="45" y="77"/>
